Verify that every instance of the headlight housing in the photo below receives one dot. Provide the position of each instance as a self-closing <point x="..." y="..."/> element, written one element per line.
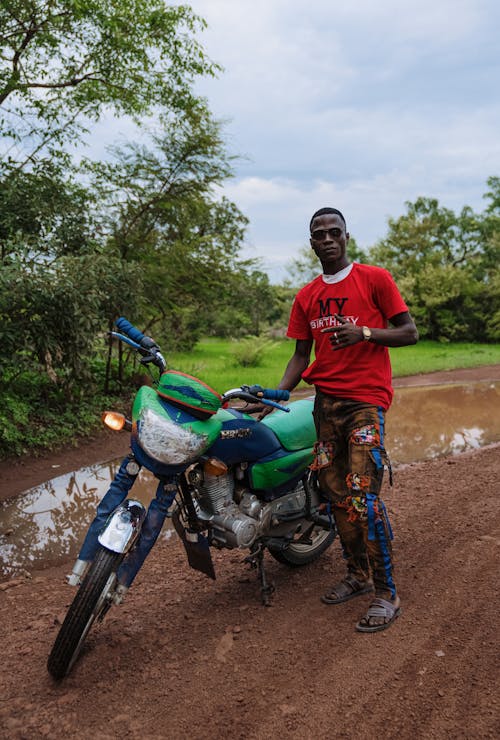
<point x="167" y="442"/>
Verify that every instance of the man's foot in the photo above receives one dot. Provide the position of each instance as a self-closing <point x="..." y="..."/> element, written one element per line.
<point x="380" y="615"/>
<point x="348" y="588"/>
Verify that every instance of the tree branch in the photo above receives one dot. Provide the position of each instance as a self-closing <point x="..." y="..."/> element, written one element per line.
<point x="51" y="135"/>
<point x="30" y="32"/>
<point x="69" y="83"/>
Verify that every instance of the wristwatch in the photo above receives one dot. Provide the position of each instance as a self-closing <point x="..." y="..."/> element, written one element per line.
<point x="367" y="333"/>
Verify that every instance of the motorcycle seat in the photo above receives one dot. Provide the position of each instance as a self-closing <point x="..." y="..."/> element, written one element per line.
<point x="294" y="430"/>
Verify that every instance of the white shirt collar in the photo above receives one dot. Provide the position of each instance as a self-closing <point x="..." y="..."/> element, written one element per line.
<point x="341" y="275"/>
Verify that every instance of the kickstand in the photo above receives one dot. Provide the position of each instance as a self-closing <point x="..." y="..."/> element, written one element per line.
<point x="256" y="560"/>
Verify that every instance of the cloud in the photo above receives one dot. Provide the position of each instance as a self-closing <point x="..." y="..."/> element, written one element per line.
<point x="280" y="210"/>
<point x="363" y="105"/>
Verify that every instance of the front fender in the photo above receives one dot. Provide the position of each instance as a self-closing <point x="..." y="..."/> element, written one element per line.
<point x="123" y="526"/>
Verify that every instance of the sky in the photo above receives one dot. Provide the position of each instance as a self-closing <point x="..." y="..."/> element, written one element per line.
<point x="362" y="106"/>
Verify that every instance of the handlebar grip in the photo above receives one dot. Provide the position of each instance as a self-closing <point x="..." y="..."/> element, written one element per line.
<point x="127" y="328"/>
<point x="273" y="394"/>
<point x="276" y="395"/>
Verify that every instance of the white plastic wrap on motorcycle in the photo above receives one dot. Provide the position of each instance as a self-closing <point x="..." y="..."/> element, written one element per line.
<point x="123" y="526"/>
<point x="168" y="442"/>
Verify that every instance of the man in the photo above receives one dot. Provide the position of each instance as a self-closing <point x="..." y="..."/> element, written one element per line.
<point x="345" y="313"/>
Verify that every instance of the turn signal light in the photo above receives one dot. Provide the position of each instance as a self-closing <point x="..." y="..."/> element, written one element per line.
<point x="213" y="466"/>
<point x="116" y="421"/>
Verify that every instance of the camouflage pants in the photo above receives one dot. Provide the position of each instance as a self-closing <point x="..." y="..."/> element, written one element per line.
<point x="350" y="459"/>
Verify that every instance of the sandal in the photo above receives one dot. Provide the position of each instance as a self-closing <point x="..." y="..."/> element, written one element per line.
<point x="379" y="608"/>
<point x="347" y="589"/>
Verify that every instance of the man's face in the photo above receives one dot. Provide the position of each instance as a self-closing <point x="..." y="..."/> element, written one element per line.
<point x="329" y="240"/>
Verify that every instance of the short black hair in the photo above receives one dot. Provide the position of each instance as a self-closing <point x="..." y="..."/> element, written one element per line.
<point x="323" y="211"/>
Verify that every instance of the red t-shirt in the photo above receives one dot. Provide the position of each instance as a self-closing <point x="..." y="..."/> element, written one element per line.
<point x="368" y="296"/>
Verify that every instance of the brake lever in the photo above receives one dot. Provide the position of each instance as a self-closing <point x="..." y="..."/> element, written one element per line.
<point x="156" y="358"/>
<point x="266" y="402"/>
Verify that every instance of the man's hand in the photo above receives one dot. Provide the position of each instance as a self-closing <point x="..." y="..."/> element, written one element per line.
<point x="257" y="408"/>
<point x="345" y="334"/>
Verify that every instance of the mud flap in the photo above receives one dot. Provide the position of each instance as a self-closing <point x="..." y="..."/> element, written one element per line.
<point x="197" y="548"/>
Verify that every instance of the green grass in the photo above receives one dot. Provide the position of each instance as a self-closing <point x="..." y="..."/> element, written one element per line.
<point x="427" y="357"/>
<point x="211" y="361"/>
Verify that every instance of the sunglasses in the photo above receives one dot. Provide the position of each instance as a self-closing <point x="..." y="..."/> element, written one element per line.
<point x="319" y="235"/>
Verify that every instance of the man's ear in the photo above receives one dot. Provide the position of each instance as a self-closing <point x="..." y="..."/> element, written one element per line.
<point x="347" y="236"/>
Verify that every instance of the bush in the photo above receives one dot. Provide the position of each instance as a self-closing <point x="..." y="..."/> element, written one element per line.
<point x="249" y="352"/>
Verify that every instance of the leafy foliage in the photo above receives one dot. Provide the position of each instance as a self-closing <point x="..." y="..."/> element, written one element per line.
<point x="50" y="315"/>
<point x="145" y="235"/>
<point x="44" y="213"/>
<point x="163" y="214"/>
<point x="64" y="62"/>
<point x="446" y="267"/>
<point x="34" y="414"/>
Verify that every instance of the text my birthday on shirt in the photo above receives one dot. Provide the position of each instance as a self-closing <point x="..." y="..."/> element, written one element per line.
<point x="326" y="309"/>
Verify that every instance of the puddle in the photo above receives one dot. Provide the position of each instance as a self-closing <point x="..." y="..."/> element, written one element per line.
<point x="46" y="525"/>
<point x="426" y="422"/>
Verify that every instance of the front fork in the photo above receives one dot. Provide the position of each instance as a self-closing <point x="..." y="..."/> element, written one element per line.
<point x="125" y="526"/>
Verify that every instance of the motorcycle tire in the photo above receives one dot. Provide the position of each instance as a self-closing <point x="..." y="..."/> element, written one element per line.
<point x="299" y="553"/>
<point x="89" y="604"/>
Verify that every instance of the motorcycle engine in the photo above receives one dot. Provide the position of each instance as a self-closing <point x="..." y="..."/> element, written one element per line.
<point x="237" y="525"/>
<point x="229" y="524"/>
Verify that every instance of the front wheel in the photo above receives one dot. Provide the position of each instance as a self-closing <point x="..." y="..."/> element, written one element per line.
<point x="307" y="548"/>
<point x="90" y="603"/>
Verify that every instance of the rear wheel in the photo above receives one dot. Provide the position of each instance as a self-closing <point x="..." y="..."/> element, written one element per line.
<point x="91" y="602"/>
<point x="307" y="548"/>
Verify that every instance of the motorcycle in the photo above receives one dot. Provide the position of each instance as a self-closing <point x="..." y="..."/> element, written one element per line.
<point x="227" y="481"/>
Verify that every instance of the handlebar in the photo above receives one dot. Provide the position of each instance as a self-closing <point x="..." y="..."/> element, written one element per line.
<point x="145" y="345"/>
<point x="127" y="328"/>
<point x="257" y="394"/>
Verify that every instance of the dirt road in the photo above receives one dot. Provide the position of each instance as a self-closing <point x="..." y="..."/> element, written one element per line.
<point x="186" y="657"/>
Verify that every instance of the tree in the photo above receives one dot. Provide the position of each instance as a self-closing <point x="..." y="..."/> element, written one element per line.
<point x="443" y="263"/>
<point x="44" y="213"/>
<point x="488" y="269"/>
<point x="164" y="213"/>
<point x="149" y="237"/>
<point x="64" y="62"/>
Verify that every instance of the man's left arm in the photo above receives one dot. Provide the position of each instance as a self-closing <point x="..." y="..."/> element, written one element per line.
<point x="401" y="333"/>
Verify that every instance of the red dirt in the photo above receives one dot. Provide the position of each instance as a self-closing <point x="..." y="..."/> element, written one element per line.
<point x="186" y="657"/>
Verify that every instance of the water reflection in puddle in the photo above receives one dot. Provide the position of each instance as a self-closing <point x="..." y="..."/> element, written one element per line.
<point x="426" y="422"/>
<point x="47" y="524"/>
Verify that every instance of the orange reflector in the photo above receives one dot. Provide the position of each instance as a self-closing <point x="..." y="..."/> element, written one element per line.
<point x="114" y="420"/>
<point x="213" y="466"/>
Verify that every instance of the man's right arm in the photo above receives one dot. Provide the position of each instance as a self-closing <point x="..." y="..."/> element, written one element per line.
<point x="299" y="362"/>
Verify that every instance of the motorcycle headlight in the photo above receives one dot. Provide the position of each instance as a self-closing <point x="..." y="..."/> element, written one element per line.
<point x="167" y="442"/>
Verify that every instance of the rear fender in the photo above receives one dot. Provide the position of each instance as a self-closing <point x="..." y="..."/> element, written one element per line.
<point x="123" y="526"/>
